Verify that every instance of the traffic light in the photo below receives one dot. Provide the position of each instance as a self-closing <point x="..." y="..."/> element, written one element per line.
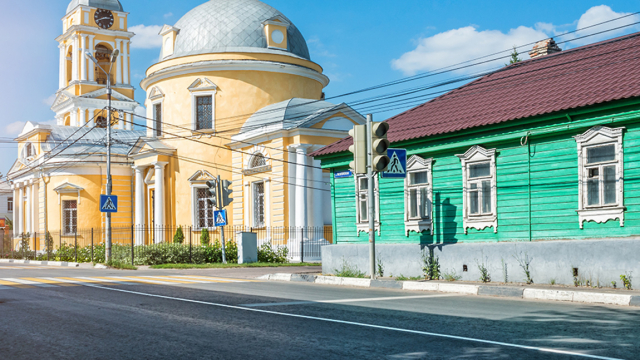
<point x="226" y="193"/>
<point x="359" y="149"/>
<point x="213" y="193"/>
<point x="380" y="144"/>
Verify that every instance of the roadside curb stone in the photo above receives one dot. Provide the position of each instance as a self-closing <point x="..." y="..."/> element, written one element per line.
<point x="466" y="289"/>
<point x="45" y="263"/>
<point x="504" y="291"/>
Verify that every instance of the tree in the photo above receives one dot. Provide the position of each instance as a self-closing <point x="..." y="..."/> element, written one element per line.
<point x="204" y="237"/>
<point x="178" y="238"/>
<point x="514" y="57"/>
<point x="8" y="224"/>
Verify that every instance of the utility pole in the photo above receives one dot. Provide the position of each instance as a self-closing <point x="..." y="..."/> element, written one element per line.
<point x="114" y="57"/>
<point x="372" y="203"/>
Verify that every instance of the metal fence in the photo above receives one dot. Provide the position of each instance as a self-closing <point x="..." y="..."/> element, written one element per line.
<point x="143" y="244"/>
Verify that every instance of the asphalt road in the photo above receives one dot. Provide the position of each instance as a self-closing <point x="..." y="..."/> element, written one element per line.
<point x="277" y="320"/>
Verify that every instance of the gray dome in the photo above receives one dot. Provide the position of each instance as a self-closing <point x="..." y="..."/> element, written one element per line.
<point x="101" y="4"/>
<point x="231" y="26"/>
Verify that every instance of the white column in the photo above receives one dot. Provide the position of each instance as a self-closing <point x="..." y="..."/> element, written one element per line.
<point x="248" y="221"/>
<point x="91" y="64"/>
<point x="139" y="203"/>
<point x="159" y="200"/>
<point x="74" y="59"/>
<point x="34" y="207"/>
<point x="83" y="116"/>
<point x="301" y="183"/>
<point x="317" y="204"/>
<point x="74" y="117"/>
<point x="267" y="206"/>
<point x="28" y="209"/>
<point x="117" y="64"/>
<point x="83" y="58"/>
<point x="20" y="208"/>
<point x="120" y="120"/>
<point x="125" y="63"/>
<point x="16" y="209"/>
<point x="291" y="186"/>
<point x="63" y="67"/>
<point x="91" y="119"/>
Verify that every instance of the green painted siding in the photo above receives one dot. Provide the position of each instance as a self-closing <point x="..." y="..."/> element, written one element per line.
<point x="537" y="193"/>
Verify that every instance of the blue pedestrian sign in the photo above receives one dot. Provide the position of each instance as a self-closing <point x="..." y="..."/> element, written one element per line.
<point x="221" y="217"/>
<point x="108" y="204"/>
<point x="397" y="164"/>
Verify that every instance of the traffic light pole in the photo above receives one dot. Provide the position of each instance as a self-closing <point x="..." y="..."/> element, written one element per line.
<point x="372" y="203"/>
<point x="220" y="207"/>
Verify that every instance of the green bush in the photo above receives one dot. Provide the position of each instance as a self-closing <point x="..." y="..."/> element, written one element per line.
<point x="204" y="237"/>
<point x="267" y="253"/>
<point x="178" y="238"/>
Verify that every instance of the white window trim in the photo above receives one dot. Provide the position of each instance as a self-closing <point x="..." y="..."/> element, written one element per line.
<point x="248" y="170"/>
<point x="156" y="96"/>
<point x="478" y="154"/>
<point x="267" y="203"/>
<point x="198" y="181"/>
<point x="364" y="226"/>
<point x="203" y="87"/>
<point x="153" y="113"/>
<point x="598" y="136"/>
<point x="418" y="164"/>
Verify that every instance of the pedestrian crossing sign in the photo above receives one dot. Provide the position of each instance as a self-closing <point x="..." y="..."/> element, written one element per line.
<point x="397" y="164"/>
<point x="220" y="217"/>
<point x="108" y="203"/>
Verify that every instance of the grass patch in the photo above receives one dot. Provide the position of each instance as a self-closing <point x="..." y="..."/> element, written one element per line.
<point x="348" y="270"/>
<point x="225" y="266"/>
<point x="404" y="278"/>
<point x="121" y="265"/>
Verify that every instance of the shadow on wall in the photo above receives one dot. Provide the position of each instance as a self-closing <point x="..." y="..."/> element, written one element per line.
<point x="445" y="224"/>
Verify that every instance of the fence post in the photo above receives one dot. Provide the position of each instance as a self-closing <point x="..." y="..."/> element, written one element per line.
<point x="132" y="245"/>
<point x="91" y="245"/>
<point x="60" y="246"/>
<point x="76" y="244"/>
<point x="302" y="246"/>
<point x="190" y="247"/>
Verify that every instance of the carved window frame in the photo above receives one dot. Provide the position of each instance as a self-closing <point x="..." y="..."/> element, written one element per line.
<point x="592" y="138"/>
<point x="364" y="225"/>
<point x="424" y="222"/>
<point x="477" y="155"/>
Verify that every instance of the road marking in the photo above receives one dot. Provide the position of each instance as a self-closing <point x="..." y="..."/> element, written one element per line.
<point x="418" y="332"/>
<point x="173" y="278"/>
<point x="210" y="279"/>
<point x="27" y="282"/>
<point x="350" y="300"/>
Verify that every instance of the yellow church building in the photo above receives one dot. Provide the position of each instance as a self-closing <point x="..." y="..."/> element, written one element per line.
<point x="234" y="94"/>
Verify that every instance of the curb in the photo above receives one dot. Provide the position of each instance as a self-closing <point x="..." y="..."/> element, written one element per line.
<point x="483" y="290"/>
<point x="47" y="263"/>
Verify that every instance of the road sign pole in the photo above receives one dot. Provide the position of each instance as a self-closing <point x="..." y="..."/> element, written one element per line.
<point x="372" y="205"/>
<point x="108" y="222"/>
<point x="219" y="190"/>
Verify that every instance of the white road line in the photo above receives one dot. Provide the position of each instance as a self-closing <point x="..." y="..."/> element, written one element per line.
<point x="180" y="279"/>
<point x="302" y="302"/>
<point x="27" y="282"/>
<point x="136" y="279"/>
<point x="196" y="277"/>
<point x="104" y="280"/>
<point x="524" y="347"/>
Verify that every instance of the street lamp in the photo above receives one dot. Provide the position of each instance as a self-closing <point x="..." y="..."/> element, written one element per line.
<point x="114" y="57"/>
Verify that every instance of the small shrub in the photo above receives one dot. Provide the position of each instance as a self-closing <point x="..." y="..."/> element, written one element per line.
<point x="626" y="281"/>
<point x="380" y="267"/>
<point x="553" y="281"/>
<point x="484" y="272"/>
<point x="614" y="284"/>
<point x="267" y="253"/>
<point x="348" y="270"/>
<point x="451" y="276"/>
<point x="178" y="238"/>
<point x="431" y="266"/>
<point x="524" y="262"/>
<point x="402" y="278"/>
<point x="204" y="237"/>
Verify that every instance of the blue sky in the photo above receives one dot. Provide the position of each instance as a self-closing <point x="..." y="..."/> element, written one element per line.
<point x="359" y="43"/>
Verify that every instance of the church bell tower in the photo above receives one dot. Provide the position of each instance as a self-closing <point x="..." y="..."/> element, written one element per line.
<point x="98" y="27"/>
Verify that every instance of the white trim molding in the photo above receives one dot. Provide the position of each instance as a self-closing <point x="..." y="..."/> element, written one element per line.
<point x="68" y="188"/>
<point x="257" y="150"/>
<point x="424" y="222"/>
<point x="477" y="155"/>
<point x="201" y="88"/>
<point x="598" y="137"/>
<point x="363" y="226"/>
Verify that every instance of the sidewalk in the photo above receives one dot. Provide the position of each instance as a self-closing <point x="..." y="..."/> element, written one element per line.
<point x="608" y="296"/>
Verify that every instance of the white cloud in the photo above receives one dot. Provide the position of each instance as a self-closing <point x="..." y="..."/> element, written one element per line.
<point x="458" y="45"/>
<point x="14" y="128"/>
<point x="602" y="13"/>
<point x="49" y="101"/>
<point x="467" y="43"/>
<point x="146" y="36"/>
<point x="168" y="15"/>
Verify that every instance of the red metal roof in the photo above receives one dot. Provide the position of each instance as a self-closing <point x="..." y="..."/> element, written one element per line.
<point x="588" y="75"/>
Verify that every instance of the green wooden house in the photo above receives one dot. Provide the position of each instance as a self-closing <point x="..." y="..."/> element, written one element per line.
<point x="538" y="159"/>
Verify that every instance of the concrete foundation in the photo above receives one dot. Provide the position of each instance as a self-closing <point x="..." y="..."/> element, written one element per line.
<point x="596" y="261"/>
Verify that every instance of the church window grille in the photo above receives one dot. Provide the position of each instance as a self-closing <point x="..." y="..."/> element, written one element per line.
<point x="205" y="211"/>
<point x="70" y="216"/>
<point x="258" y="205"/>
<point x="10" y="204"/>
<point x="157" y="118"/>
<point x="204" y="112"/>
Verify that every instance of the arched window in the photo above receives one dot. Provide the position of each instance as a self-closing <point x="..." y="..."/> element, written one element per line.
<point x="257" y="161"/>
<point x="69" y="64"/>
<point x="101" y="122"/>
<point x="103" y="55"/>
